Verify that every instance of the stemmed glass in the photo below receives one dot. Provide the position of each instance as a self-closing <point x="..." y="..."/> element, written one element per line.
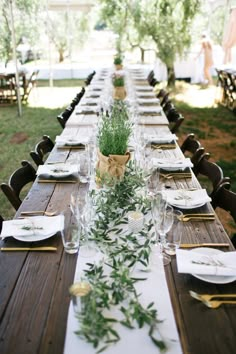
<point x="83" y="211"/>
<point x="163" y="220"/>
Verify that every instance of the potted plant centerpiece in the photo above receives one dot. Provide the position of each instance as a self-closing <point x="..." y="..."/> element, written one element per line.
<point x="118" y="62"/>
<point x="113" y="137"/>
<point x="119" y="92"/>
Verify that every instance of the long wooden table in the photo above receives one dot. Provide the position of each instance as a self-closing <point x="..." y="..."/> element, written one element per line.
<point x="34" y="296"/>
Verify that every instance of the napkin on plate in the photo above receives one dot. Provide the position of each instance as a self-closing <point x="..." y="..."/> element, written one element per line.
<point x="57" y="170"/>
<point x="146" y="101"/>
<point x="159" y="139"/>
<point x="185" y="198"/>
<point x="153" y="119"/>
<point x="153" y="110"/>
<point x="35" y="225"/>
<point x="62" y="141"/>
<point x="172" y="164"/>
<point x="143" y="88"/>
<point x="85" y="109"/>
<point x="200" y="263"/>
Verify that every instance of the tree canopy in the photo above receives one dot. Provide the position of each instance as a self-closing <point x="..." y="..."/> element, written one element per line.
<point x="165" y="23"/>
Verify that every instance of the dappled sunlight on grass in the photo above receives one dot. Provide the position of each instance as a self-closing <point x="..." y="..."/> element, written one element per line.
<point x="52" y="97"/>
<point x="196" y="95"/>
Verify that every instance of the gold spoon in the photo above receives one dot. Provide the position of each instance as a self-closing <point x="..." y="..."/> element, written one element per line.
<point x="207" y="297"/>
<point x="214" y="304"/>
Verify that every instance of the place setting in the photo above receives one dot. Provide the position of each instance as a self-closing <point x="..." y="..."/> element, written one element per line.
<point x="187" y="199"/>
<point x="161" y="140"/>
<point x="62" y="173"/>
<point x="32" y="229"/>
<point x="173" y="167"/>
<point x="71" y="142"/>
<point x="208" y="264"/>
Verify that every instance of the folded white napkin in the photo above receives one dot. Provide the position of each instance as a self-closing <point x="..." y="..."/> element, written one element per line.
<point x="200" y="263"/>
<point x="33" y="226"/>
<point x="57" y="170"/>
<point x="148" y="100"/>
<point x="145" y="94"/>
<point x="162" y="138"/>
<point x="185" y="198"/>
<point x="143" y="88"/>
<point x="172" y="164"/>
<point x="85" y="109"/>
<point x="150" y="110"/>
<point x="71" y="140"/>
<point x="152" y="120"/>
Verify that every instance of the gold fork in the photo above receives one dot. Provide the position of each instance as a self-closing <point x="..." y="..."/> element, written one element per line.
<point x="38" y="212"/>
<point x="207" y="297"/>
<point x="214" y="304"/>
<point x="196" y="218"/>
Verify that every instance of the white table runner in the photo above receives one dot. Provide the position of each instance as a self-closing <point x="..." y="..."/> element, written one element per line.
<point x="137" y="340"/>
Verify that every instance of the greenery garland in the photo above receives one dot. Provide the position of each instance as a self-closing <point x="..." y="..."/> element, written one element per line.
<point x="122" y="253"/>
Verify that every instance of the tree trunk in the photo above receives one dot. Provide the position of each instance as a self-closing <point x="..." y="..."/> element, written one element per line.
<point x="61" y="55"/>
<point x="171" y="75"/>
<point x="142" y="55"/>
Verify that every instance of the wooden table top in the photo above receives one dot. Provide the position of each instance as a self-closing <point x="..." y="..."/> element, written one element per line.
<point x="34" y="296"/>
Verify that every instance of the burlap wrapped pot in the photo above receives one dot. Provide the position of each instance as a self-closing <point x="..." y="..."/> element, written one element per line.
<point x="119" y="93"/>
<point x="112" y="166"/>
<point x="118" y="67"/>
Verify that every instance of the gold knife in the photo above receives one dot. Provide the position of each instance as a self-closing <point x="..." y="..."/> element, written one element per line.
<point x="194" y="245"/>
<point x="28" y="248"/>
<point x="55" y="181"/>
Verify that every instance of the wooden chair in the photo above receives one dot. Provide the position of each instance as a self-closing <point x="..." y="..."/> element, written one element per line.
<point x="192" y="148"/>
<point x="89" y="78"/>
<point x="29" y="84"/>
<point x="163" y="96"/>
<point x="226" y="200"/>
<point x="19" y="179"/>
<point x="77" y="98"/>
<point x="150" y="76"/>
<point x="190" y="144"/>
<point x="64" y="116"/>
<point x="1" y="221"/>
<point x="213" y="173"/>
<point x="43" y="147"/>
<point x="175" y="120"/>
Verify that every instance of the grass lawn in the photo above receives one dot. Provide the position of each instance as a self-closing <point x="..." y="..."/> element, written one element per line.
<point x="18" y="137"/>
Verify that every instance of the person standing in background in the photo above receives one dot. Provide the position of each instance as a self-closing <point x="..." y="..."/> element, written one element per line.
<point x="206" y="49"/>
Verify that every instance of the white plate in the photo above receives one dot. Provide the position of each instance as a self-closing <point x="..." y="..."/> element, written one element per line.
<point x="215" y="279"/>
<point x="34" y="238"/>
<point x="52" y="223"/>
<point x="188" y="206"/>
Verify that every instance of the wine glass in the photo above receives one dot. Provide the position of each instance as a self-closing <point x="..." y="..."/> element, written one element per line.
<point x="82" y="209"/>
<point x="174" y="237"/>
<point x="163" y="219"/>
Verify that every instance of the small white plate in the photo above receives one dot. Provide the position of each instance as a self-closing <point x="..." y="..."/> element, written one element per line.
<point x="188" y="206"/>
<point x="215" y="279"/>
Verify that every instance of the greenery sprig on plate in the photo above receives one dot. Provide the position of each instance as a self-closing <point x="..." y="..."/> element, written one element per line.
<point x="122" y="253"/>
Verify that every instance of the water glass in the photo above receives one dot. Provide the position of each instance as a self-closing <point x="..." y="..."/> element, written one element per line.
<point x="174" y="237"/>
<point x="71" y="238"/>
